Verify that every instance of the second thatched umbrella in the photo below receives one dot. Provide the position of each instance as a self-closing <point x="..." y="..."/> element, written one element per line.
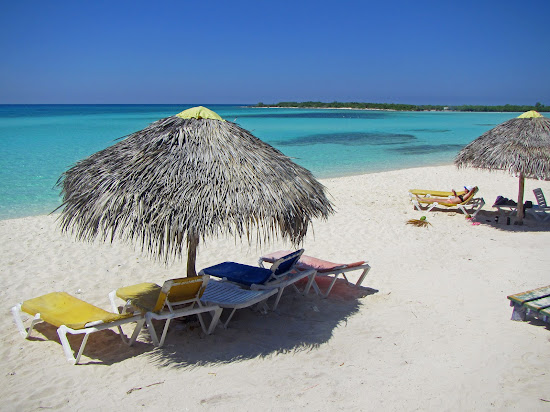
<point x="185" y="178"/>
<point x="520" y="146"/>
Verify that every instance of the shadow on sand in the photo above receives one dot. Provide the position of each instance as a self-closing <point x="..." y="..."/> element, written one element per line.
<point x="299" y="323"/>
<point x="103" y="348"/>
<point x="507" y="223"/>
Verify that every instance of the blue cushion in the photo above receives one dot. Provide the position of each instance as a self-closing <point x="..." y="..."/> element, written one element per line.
<point x="286" y="263"/>
<point x="239" y="273"/>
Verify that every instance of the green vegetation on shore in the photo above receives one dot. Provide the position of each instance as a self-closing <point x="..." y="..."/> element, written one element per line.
<point x="409" y="107"/>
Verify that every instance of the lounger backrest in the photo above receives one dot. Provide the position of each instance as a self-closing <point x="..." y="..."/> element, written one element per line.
<point x="470" y="195"/>
<point x="180" y="291"/>
<point x="540" y="197"/>
<point x="286" y="263"/>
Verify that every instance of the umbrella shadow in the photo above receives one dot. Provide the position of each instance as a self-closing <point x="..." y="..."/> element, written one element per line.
<point x="300" y="323"/>
<point x="507" y="223"/>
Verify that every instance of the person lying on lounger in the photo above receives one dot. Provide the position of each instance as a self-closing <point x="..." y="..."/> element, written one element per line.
<point x="454" y="200"/>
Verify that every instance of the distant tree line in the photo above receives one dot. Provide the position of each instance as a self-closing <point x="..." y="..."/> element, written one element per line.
<point x="410" y="107"/>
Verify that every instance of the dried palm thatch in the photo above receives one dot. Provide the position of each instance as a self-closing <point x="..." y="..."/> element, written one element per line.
<point x="422" y="222"/>
<point x="521" y="146"/>
<point x="181" y="180"/>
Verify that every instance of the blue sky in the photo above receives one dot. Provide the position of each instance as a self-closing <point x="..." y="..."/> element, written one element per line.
<point x="422" y="52"/>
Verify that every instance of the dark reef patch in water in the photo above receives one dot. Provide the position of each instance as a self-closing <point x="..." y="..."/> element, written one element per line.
<point x="429" y="130"/>
<point x="350" y="139"/>
<point x="427" y="149"/>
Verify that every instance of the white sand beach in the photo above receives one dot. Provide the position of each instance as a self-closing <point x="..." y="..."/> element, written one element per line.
<point x="428" y="330"/>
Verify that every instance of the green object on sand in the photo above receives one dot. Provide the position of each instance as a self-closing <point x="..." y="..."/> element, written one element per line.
<point x="423" y="218"/>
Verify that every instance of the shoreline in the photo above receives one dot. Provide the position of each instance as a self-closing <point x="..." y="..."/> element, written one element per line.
<point x="381" y="110"/>
<point x="318" y="178"/>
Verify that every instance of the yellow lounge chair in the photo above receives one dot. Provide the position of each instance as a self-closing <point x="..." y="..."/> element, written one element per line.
<point x="428" y="197"/>
<point x="176" y="298"/>
<point x="72" y="315"/>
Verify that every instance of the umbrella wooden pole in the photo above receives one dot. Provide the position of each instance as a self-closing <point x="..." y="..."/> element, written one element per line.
<point x="192" y="243"/>
<point x="520" y="198"/>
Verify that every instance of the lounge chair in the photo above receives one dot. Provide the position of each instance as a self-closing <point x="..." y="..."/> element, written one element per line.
<point x="74" y="316"/>
<point x="229" y="295"/>
<point x="505" y="206"/>
<point x="281" y="274"/>
<point x="322" y="267"/>
<point x="541" y="211"/>
<point x="531" y="304"/>
<point x="427" y="197"/>
<point x="176" y="298"/>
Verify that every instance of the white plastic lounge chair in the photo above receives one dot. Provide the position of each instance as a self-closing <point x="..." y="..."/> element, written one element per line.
<point x="74" y="316"/>
<point x="281" y="274"/>
<point x="542" y="210"/>
<point x="176" y="298"/>
<point x="420" y="196"/>
<point x="228" y="295"/>
<point x="323" y="268"/>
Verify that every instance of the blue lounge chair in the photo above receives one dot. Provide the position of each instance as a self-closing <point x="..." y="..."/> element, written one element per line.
<point x="227" y="295"/>
<point x="281" y="274"/>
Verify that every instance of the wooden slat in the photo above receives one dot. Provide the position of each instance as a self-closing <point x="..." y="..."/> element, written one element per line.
<point x="538" y="304"/>
<point x="530" y="295"/>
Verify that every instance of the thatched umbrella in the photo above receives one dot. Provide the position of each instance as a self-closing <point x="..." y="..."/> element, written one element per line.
<point x="185" y="178"/>
<point x="520" y="146"/>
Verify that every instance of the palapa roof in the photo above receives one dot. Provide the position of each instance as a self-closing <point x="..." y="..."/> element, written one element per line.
<point x="520" y="145"/>
<point x="192" y="175"/>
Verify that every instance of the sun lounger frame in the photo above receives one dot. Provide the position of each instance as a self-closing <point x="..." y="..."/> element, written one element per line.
<point x="531" y="304"/>
<point x="89" y="328"/>
<point x="476" y="204"/>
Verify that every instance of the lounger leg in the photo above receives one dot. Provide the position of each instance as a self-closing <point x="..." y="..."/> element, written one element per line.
<point x="432" y="206"/>
<point x="201" y="321"/>
<point x="215" y="319"/>
<point x="363" y="275"/>
<point x="324" y="295"/>
<point x="135" y="334"/>
<point x="16" y="311"/>
<point x="481" y="204"/>
<point x="229" y="318"/>
<point x="84" y="341"/>
<point x="518" y="313"/>
<point x="164" y="331"/>
<point x="62" y="332"/>
<point x="316" y="288"/>
<point x="153" y="333"/>
<point x="278" y="298"/>
<point x="310" y="283"/>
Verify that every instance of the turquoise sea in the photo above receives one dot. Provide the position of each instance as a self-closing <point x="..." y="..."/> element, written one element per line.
<point x="39" y="142"/>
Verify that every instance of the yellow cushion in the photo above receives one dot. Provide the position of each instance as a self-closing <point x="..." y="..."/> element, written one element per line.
<point x="60" y="308"/>
<point x="434" y="193"/>
<point x="143" y="295"/>
<point x="150" y="297"/>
